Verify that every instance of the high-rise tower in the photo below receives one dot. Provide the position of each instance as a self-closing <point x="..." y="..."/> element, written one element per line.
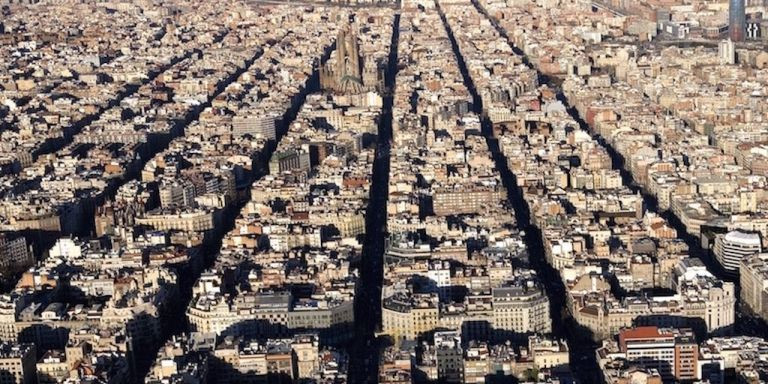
<point x="737" y="23"/>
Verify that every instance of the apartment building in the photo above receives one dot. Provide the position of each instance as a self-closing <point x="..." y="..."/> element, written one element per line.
<point x="671" y="353"/>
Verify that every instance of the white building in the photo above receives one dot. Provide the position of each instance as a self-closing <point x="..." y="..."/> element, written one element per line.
<point x="733" y="246"/>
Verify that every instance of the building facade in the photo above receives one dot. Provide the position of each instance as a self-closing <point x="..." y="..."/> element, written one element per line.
<point x="733" y="246"/>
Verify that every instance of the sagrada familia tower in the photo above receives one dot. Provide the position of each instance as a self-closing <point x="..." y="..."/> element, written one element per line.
<point x="350" y="73"/>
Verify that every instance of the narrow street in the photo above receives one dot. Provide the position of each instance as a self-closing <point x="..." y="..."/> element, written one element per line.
<point x="364" y="351"/>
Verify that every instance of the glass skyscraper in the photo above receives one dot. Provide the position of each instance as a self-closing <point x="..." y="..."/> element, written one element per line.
<point x="736" y="20"/>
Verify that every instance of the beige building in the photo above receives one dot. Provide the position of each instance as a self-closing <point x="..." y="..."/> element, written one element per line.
<point x="548" y="353"/>
<point x="521" y="310"/>
<point x="753" y="276"/>
<point x="516" y="308"/>
<point x="52" y="368"/>
<point x="465" y="200"/>
<point x="17" y="361"/>
<point x="272" y="315"/>
<point x="405" y="319"/>
<point x="243" y="362"/>
<point x="198" y="221"/>
<point x="716" y="309"/>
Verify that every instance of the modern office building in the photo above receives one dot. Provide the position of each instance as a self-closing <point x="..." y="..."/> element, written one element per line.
<point x="260" y="126"/>
<point x="14" y="252"/>
<point x="731" y="247"/>
<point x="737" y="20"/>
<point x="673" y="353"/>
